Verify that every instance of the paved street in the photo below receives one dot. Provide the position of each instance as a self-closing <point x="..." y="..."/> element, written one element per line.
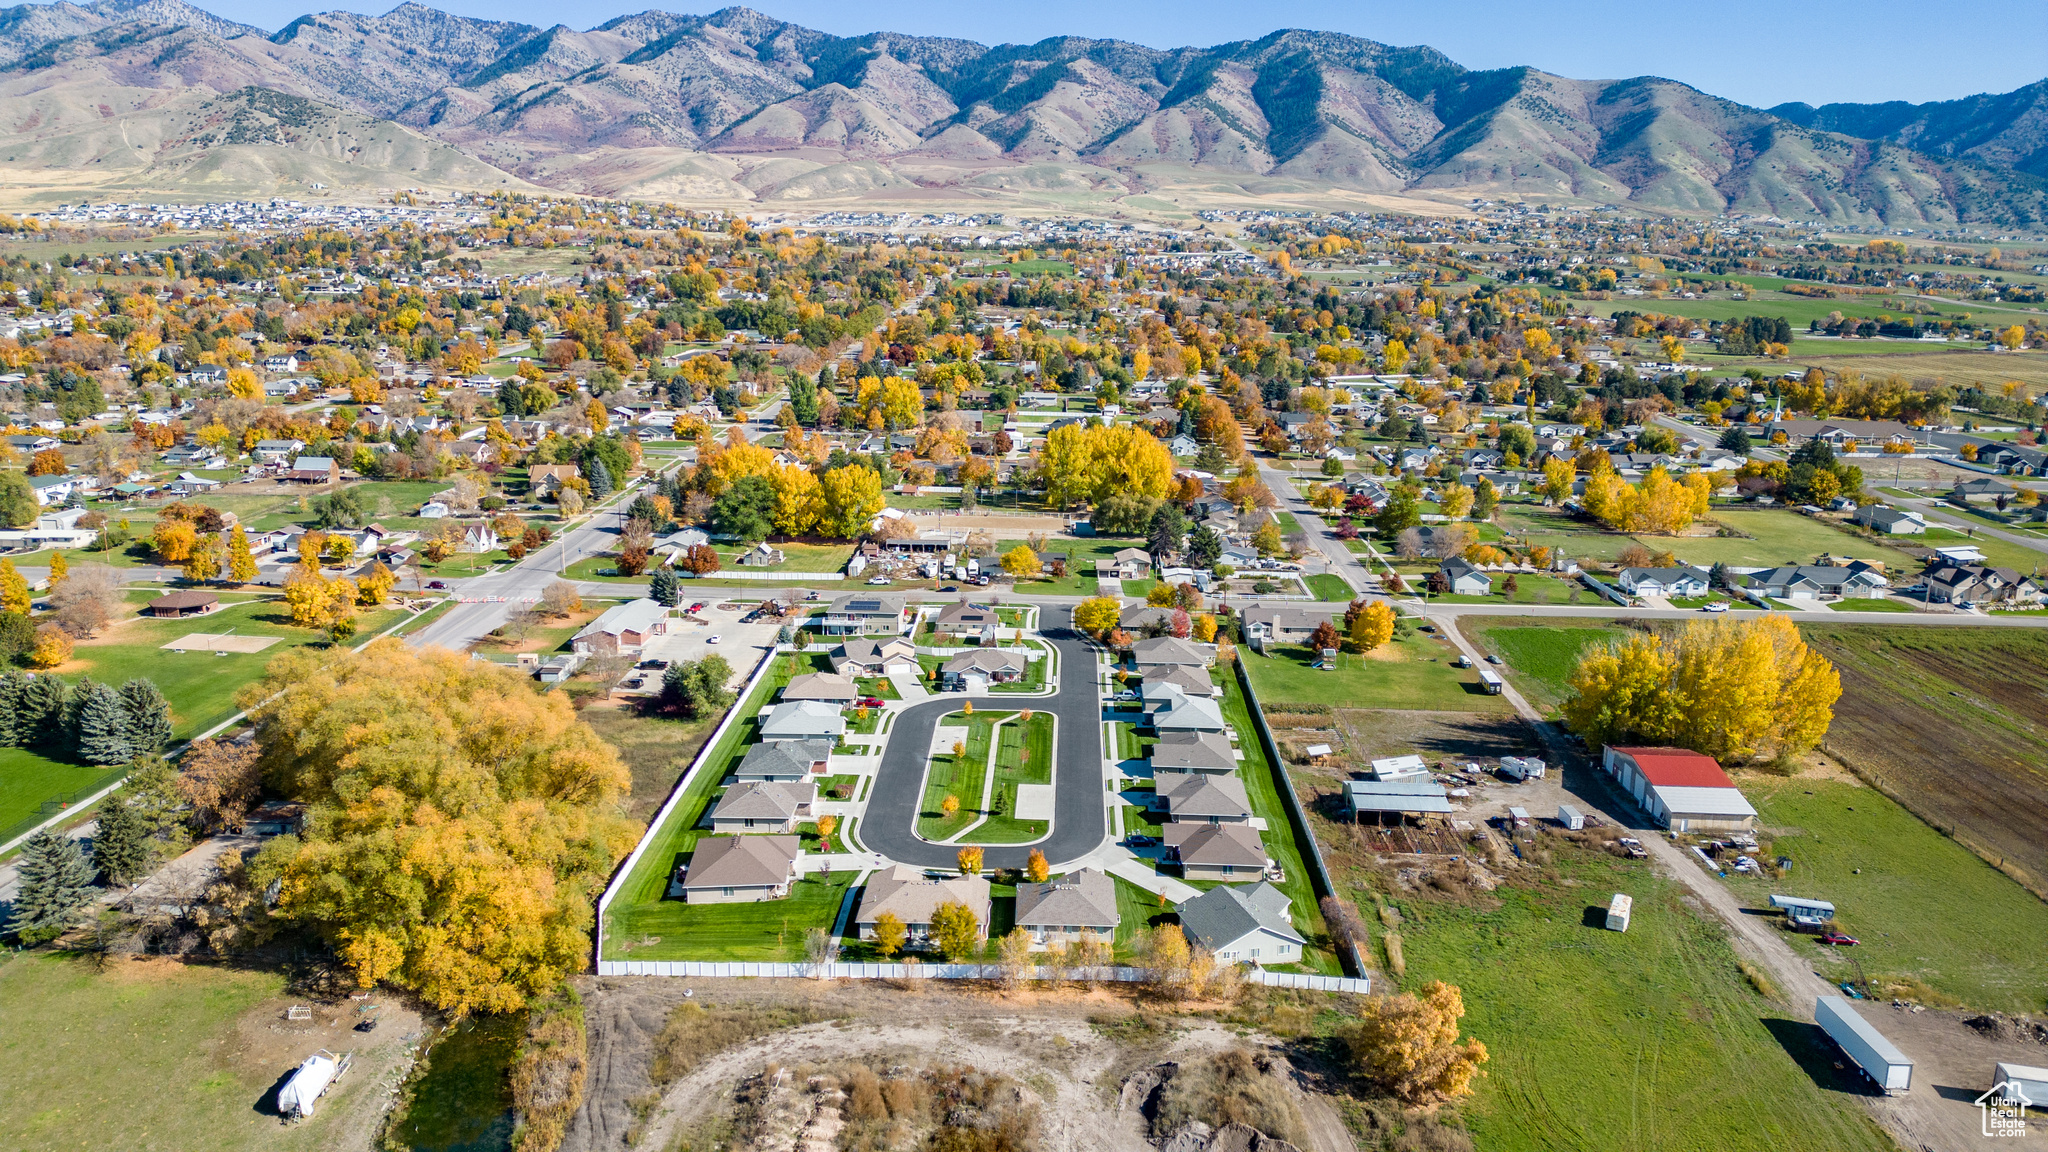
<point x="1079" y="824"/>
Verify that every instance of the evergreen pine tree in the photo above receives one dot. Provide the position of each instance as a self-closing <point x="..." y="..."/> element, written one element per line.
<point x="12" y="685"/>
<point x="54" y="883"/>
<point x="39" y="719"/>
<point x="149" y="716"/>
<point x="662" y="589"/>
<point x="100" y="724"/>
<point x="120" y="849"/>
<point x="600" y="479"/>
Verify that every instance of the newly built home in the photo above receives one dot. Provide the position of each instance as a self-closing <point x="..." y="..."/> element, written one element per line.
<point x="1244" y="925"/>
<point x="876" y="658"/>
<point x="975" y="671"/>
<point x="764" y="806"/>
<point x="912" y="897"/>
<point x="785" y="761"/>
<point x="623" y="630"/>
<point x="1682" y="790"/>
<point x="1064" y="908"/>
<point x="1683" y="581"/>
<point x="803" y="720"/>
<point x="1169" y="652"/>
<point x="1216" y="851"/>
<point x="1202" y="797"/>
<point x="1194" y="752"/>
<point x="737" y="869"/>
<point x="829" y="687"/>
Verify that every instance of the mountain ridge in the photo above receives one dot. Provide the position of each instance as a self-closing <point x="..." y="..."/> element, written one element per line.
<point x="765" y="109"/>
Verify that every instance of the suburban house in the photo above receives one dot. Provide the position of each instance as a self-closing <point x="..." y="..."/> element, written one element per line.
<point x="1199" y="752"/>
<point x="973" y="621"/>
<point x="1063" y="909"/>
<point x="803" y="720"/>
<point x="1247" y="925"/>
<point x="1189" y="681"/>
<point x="1967" y="487"/>
<point x="1462" y="579"/>
<point x="738" y="869"/>
<point x="548" y="479"/>
<point x="2013" y="459"/>
<point x="1146" y="618"/>
<point x="911" y="897"/>
<point x="1202" y="797"/>
<point x="624" y="629"/>
<point x="1858" y="581"/>
<point x="1129" y="564"/>
<point x="52" y="489"/>
<point x="1980" y="584"/>
<point x="975" y="671"/>
<point x="313" y="470"/>
<point x="784" y="761"/>
<point x="1683" y="581"/>
<point x="1216" y="851"/>
<point x="1682" y="790"/>
<point x="764" y="806"/>
<point x="179" y="604"/>
<point x="876" y="658"/>
<point x="277" y="451"/>
<point x="1170" y="652"/>
<point x="1890" y="521"/>
<point x="1181" y="712"/>
<point x="1283" y="625"/>
<point x="863" y="614"/>
<point x="829" y="687"/>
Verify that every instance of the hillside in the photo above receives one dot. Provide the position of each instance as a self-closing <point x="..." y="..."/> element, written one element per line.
<point x="739" y="105"/>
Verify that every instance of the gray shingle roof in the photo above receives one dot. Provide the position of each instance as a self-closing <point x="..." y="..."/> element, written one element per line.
<point x="741" y="861"/>
<point x="1085" y="899"/>
<point x="1226" y="913"/>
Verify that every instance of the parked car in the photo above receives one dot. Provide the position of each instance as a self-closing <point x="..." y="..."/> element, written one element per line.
<point x="1137" y="840"/>
<point x="652" y="664"/>
<point x="878" y="581"/>
<point x="1716" y="606"/>
<point x="1493" y="659"/>
<point x="697" y="607"/>
<point x="871" y="701"/>
<point x="711" y="639"/>
<point x="1839" y="940"/>
<point x="1126" y="696"/>
<point x="437" y="585"/>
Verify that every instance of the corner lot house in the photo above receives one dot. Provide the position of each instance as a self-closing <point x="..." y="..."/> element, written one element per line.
<point x="803" y="720"/>
<point x="913" y="898"/>
<point x="976" y="670"/>
<point x="965" y="620"/>
<point x="1283" y="625"/>
<point x="1245" y="925"/>
<point x="1682" y="790"/>
<point x="738" y="869"/>
<point x="785" y="761"/>
<point x="624" y="629"/>
<point x="1216" y="851"/>
<point x="1465" y="580"/>
<point x="1063" y="909"/>
<point x="764" y="806"/>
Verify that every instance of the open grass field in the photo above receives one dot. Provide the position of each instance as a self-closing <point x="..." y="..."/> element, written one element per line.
<point x="961" y="775"/>
<point x="205" y="1045"/>
<point x="1539" y="653"/>
<point x="642" y="910"/>
<point x="1762" y="538"/>
<point x="1953" y="723"/>
<point x="1023" y="756"/>
<point x="28" y="779"/>
<point x="1412" y="671"/>
<point x="1958" y="368"/>
<point x="656" y="749"/>
<point x="1648" y="1039"/>
<point x="201" y="686"/>
<point x="1924" y="907"/>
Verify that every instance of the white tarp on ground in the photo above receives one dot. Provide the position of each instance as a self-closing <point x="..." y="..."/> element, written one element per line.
<point x="297" y="1096"/>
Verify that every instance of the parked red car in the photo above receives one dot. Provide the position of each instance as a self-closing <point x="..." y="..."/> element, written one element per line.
<point x="1838" y="940"/>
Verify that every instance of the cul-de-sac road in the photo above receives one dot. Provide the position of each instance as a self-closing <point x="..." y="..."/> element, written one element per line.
<point x="1080" y="822"/>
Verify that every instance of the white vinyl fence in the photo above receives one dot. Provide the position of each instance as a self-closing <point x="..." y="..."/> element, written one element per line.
<point x="710" y="969"/>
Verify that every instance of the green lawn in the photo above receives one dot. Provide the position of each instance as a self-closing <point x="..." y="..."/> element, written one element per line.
<point x="1329" y="586"/>
<point x="643" y="899"/>
<point x="766" y="930"/>
<point x="1599" y="1039"/>
<point x="201" y="686"/>
<point x="1923" y="906"/>
<point x="1539" y="655"/>
<point x="1413" y="671"/>
<point x="797" y="557"/>
<point x="27" y="779"/>
<point x="962" y="776"/>
<point x="1262" y="788"/>
<point x="77" y="1037"/>
<point x="1884" y="605"/>
<point x="1529" y="589"/>
<point x="1768" y="537"/>
<point x="1023" y="756"/>
<point x="1080" y="578"/>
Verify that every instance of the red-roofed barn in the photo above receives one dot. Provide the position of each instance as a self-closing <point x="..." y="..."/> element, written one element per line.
<point x="1681" y="789"/>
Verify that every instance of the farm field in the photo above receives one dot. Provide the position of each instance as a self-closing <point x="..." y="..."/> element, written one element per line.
<point x="1768" y="538"/>
<point x="1412" y="671"/>
<point x="1953" y="723"/>
<point x="208" y="1042"/>
<point x="1539" y="654"/>
<point x="1602" y="1039"/>
<point x="1922" y="905"/>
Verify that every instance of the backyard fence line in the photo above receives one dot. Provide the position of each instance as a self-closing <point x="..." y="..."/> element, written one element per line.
<point x="709" y="969"/>
<point x="743" y="574"/>
<point x="675" y="796"/>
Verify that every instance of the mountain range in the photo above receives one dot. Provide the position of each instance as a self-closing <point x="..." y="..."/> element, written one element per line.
<point x="738" y="106"/>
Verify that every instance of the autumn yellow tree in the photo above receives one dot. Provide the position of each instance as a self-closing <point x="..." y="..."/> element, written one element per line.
<point x="1408" y="1044"/>
<point x="890" y="935"/>
<point x="1022" y="563"/>
<point x="956" y="930"/>
<point x="1456" y="501"/>
<point x="459" y="822"/>
<point x="1558" y="477"/>
<point x="1036" y="869"/>
<point x="173" y="540"/>
<point x="1097" y="615"/>
<point x="969" y="859"/>
<point x="14" y="591"/>
<point x="1736" y="690"/>
<point x="1373" y="626"/>
<point x="241" y="562"/>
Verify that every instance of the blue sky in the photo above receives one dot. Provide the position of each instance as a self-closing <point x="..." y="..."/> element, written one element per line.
<point x="1760" y="52"/>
